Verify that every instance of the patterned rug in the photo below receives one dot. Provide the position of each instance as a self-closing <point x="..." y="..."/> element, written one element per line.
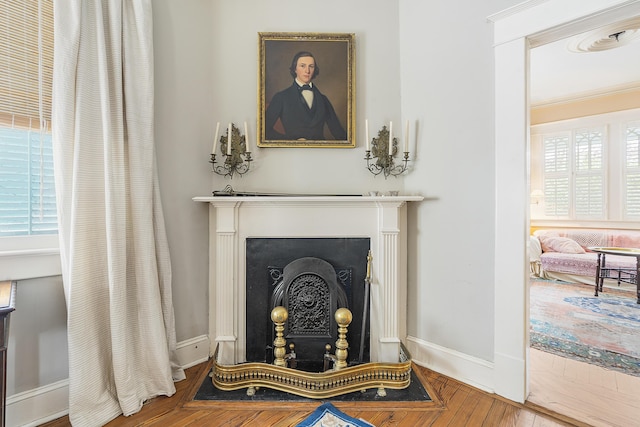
<point x="568" y="320"/>
<point x="327" y="415"/>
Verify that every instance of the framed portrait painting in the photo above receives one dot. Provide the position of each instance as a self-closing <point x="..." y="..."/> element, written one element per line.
<point x="306" y="90"/>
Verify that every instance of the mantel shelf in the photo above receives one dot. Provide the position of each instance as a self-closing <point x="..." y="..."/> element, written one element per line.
<point x="308" y="199"/>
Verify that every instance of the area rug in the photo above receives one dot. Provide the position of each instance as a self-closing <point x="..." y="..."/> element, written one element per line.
<point x="568" y="320"/>
<point x="327" y="415"/>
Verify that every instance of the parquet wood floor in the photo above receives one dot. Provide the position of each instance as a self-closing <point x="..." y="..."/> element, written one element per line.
<point x="456" y="404"/>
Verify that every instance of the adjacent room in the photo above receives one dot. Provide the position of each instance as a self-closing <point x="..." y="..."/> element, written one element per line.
<point x="584" y="217"/>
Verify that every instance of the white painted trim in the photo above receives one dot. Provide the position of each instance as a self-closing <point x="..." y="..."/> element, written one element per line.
<point x="40" y="405"/>
<point x="459" y="366"/>
<point x="514" y="10"/>
<point x="193" y="351"/>
<point x="551" y="20"/>
<point x="37" y="406"/>
<point x="29" y="257"/>
<point x="29" y="263"/>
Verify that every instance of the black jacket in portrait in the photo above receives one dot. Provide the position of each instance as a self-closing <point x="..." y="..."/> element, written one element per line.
<point x="300" y="121"/>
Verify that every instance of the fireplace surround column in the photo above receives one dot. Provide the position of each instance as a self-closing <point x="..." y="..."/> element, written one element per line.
<point x="225" y="250"/>
<point x="392" y="297"/>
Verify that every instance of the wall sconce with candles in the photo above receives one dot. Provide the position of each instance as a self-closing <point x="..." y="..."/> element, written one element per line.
<point x="382" y="150"/>
<point x="234" y="147"/>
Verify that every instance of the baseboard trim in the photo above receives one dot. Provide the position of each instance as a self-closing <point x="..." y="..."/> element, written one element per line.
<point x="470" y="370"/>
<point x="40" y="405"/>
<point x="193" y="351"/>
<point x="37" y="406"/>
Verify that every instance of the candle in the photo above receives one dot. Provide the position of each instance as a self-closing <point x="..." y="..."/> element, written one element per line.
<point x="229" y="140"/>
<point x="366" y="134"/>
<point x="246" y="138"/>
<point x="406" y="137"/>
<point x="390" y="138"/>
<point x="215" y="139"/>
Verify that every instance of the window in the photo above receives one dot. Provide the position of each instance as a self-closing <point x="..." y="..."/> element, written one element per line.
<point x="28" y="225"/>
<point x="588" y="168"/>
<point x="27" y="193"/>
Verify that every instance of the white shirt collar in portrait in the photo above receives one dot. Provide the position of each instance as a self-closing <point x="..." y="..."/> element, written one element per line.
<point x="307" y="94"/>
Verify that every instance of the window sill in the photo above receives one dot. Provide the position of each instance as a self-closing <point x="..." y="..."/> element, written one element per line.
<point x="29" y="263"/>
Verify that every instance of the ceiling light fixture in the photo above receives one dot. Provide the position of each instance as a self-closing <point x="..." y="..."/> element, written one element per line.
<point x="616" y="35"/>
<point x="605" y="38"/>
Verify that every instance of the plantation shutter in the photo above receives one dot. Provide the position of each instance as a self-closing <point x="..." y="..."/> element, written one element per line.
<point x="589" y="174"/>
<point x="632" y="171"/>
<point x="556" y="170"/>
<point x="27" y="193"/>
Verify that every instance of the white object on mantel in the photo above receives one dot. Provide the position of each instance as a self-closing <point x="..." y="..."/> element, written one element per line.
<point x="233" y="219"/>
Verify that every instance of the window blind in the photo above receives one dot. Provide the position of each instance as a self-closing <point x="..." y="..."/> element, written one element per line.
<point x="26" y="63"/>
<point x="632" y="171"/>
<point x="556" y="175"/>
<point x="589" y="174"/>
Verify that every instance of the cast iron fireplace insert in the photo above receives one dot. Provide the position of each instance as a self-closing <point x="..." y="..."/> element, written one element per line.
<point x="266" y="259"/>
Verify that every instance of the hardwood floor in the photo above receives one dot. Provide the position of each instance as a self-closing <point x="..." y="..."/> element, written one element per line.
<point x="589" y="393"/>
<point x="456" y="404"/>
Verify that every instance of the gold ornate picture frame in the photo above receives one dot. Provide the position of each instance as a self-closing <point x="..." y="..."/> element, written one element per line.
<point x="327" y="119"/>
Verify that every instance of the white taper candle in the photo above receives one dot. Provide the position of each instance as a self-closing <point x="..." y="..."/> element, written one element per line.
<point x="406" y="137"/>
<point x="390" y="138"/>
<point x="229" y="140"/>
<point x="215" y="139"/>
<point x="366" y="134"/>
<point x="246" y="138"/>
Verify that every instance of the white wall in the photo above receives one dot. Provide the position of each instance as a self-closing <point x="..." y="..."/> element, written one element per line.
<point x="447" y="84"/>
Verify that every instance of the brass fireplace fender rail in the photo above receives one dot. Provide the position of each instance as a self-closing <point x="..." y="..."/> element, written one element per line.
<point x="314" y="385"/>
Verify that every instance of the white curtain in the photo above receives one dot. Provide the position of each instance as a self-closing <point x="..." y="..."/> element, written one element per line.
<point x="115" y="257"/>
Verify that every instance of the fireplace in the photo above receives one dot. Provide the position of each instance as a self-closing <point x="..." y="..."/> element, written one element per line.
<point x="233" y="220"/>
<point x="323" y="274"/>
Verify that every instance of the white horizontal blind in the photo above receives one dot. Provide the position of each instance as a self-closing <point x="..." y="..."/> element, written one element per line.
<point x="632" y="171"/>
<point x="589" y="174"/>
<point x="27" y="193"/>
<point x="556" y="171"/>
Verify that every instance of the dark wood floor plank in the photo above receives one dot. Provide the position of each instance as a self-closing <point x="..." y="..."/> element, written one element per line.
<point x="452" y="406"/>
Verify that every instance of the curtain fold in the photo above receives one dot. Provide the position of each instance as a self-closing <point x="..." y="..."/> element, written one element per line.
<point x="114" y="251"/>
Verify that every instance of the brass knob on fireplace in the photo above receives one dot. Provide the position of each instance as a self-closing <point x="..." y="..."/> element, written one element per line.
<point x="279" y="316"/>
<point x="343" y="317"/>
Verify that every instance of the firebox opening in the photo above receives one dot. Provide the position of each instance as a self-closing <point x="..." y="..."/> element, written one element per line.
<point x="315" y="267"/>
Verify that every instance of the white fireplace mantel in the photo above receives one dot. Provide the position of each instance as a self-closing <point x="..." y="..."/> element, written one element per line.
<point x="233" y="219"/>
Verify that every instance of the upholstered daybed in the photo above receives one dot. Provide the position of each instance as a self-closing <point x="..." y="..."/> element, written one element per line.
<point x="563" y="253"/>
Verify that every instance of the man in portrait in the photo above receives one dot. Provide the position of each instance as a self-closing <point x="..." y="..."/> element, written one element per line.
<point x="301" y="111"/>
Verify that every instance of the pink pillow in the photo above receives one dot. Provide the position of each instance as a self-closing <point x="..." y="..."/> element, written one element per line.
<point x="560" y="244"/>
